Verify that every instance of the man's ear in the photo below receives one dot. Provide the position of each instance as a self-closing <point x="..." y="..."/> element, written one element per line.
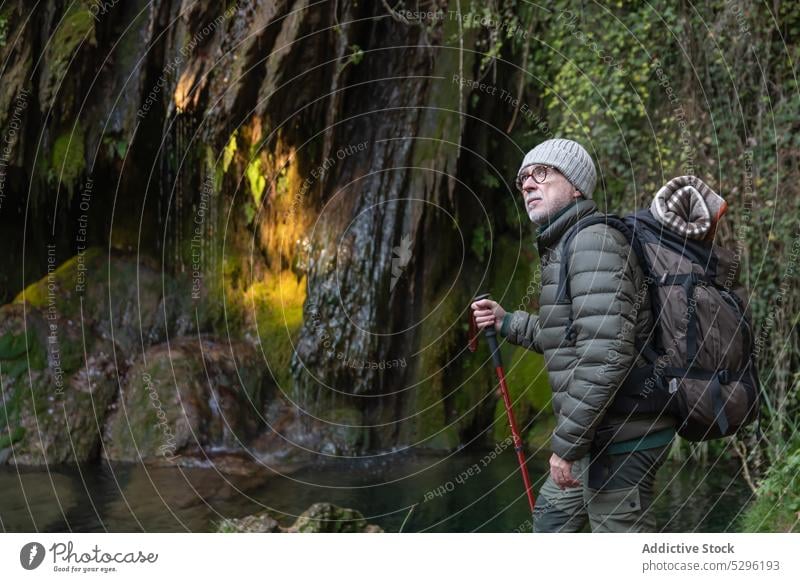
<point x="577" y="193"/>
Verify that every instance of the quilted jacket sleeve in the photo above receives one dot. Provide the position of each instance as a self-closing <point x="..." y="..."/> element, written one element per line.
<point x="521" y="328"/>
<point x="603" y="291"/>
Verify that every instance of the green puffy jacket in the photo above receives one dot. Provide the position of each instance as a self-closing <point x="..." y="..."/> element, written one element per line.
<point x="609" y="309"/>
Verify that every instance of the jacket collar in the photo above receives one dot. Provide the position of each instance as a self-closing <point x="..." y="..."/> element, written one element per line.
<point x="551" y="232"/>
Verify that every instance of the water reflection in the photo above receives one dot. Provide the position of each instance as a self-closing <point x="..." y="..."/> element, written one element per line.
<point x="459" y="493"/>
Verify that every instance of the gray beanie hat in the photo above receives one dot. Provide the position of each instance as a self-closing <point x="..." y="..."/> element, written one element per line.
<point x="569" y="158"/>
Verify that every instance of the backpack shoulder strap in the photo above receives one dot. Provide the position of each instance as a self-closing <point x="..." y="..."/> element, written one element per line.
<point x="563" y="294"/>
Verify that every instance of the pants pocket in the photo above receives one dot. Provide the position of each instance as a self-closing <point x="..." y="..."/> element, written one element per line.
<point x="616" y="510"/>
<point x="559" y="510"/>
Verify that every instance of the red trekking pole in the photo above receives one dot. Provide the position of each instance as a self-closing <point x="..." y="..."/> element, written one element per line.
<point x="491" y="338"/>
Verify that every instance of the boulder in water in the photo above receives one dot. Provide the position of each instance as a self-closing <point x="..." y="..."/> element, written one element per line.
<point x="319" y="518"/>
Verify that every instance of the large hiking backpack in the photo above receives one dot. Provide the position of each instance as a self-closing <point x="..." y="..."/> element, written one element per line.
<point x="700" y="353"/>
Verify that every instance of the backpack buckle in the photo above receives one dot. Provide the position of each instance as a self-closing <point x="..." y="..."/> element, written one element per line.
<point x="723" y="376"/>
<point x="661" y="382"/>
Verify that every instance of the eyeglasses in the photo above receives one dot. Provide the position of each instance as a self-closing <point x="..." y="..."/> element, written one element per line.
<point x="538" y="172"/>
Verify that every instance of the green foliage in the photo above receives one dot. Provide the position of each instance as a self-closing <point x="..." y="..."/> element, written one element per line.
<point x="354" y="58"/>
<point x="659" y="89"/>
<point x="229" y="152"/>
<point x="257" y="181"/>
<point x="777" y="508"/>
<point x="480" y="243"/>
<point x="356" y="55"/>
<point x="490" y="181"/>
<point x="116" y="146"/>
<point x="601" y="86"/>
<point x="499" y="22"/>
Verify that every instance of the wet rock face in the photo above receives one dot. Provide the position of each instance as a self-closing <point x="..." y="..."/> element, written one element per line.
<point x="220" y="106"/>
<point x="319" y="518"/>
<point x="295" y="437"/>
<point x="187" y="397"/>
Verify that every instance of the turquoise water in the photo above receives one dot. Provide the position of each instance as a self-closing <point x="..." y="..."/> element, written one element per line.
<point x="117" y="498"/>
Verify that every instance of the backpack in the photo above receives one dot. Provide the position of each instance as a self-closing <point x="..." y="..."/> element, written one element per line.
<point x="700" y="353"/>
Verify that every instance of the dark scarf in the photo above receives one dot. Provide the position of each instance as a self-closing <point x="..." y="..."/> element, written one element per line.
<point x="550" y="233"/>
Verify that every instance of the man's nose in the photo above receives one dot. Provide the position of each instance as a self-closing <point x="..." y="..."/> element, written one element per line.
<point x="530" y="184"/>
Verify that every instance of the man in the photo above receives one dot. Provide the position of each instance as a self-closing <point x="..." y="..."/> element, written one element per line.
<point x="603" y="465"/>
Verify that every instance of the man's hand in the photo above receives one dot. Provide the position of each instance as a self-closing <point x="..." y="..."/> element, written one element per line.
<point x="488" y="312"/>
<point x="561" y="472"/>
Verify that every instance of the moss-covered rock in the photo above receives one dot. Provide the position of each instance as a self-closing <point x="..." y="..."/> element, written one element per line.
<point x="75" y="29"/>
<point x="319" y="518"/>
<point x="329" y="518"/>
<point x="258" y="523"/>
<point x="119" y="297"/>
<point x="55" y="400"/>
<point x="433" y="401"/>
<point x="187" y="397"/>
<point x="68" y="158"/>
<point x="98" y="321"/>
<point x="273" y="308"/>
<point x="65" y="341"/>
<point x="343" y="431"/>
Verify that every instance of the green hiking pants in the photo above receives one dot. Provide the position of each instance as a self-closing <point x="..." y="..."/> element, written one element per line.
<point x="615" y="494"/>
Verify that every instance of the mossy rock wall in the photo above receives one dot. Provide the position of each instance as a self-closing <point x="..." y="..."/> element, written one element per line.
<point x="87" y="351"/>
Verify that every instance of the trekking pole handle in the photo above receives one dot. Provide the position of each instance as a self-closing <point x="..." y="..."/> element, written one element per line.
<point x="491" y="336"/>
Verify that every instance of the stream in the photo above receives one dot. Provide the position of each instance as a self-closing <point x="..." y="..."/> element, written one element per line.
<point x="129" y="497"/>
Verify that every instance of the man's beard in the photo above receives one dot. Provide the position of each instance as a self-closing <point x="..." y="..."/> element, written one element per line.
<point x="541" y="216"/>
<point x="537" y="217"/>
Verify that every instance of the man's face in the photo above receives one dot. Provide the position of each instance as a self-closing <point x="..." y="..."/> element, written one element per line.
<point x="545" y="191"/>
